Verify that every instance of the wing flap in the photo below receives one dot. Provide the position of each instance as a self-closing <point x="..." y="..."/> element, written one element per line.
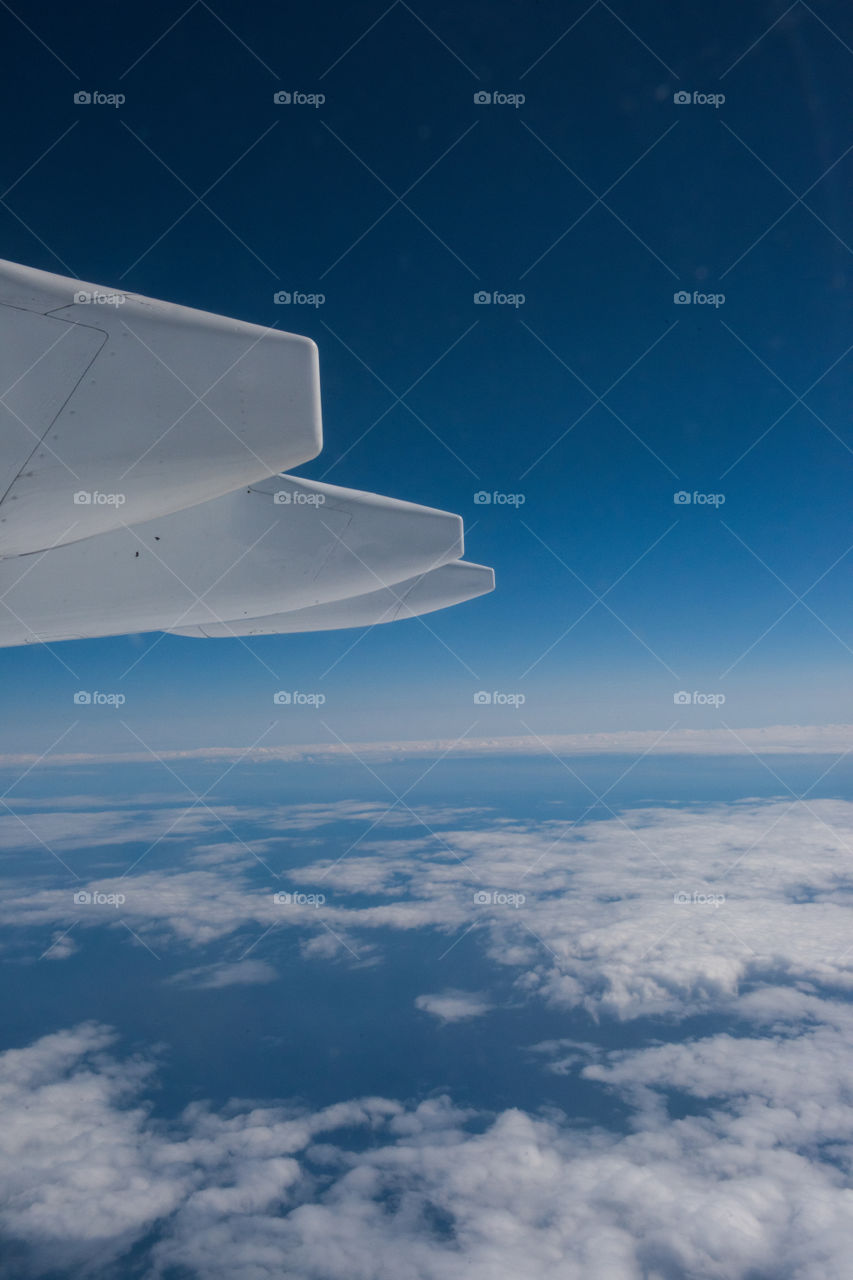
<point x="437" y="589"/>
<point x="291" y="544"/>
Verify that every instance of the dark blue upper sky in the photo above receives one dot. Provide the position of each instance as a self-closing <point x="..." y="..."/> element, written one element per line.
<point x="401" y="197"/>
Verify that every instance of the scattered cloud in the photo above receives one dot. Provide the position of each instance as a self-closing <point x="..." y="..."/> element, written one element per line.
<point x="454" y="1006"/>
<point x="62" y="945"/>
<point x="239" y="973"/>
<point x="652" y="911"/>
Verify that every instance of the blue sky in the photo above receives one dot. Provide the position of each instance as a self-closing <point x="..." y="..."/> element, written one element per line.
<point x="700" y="398"/>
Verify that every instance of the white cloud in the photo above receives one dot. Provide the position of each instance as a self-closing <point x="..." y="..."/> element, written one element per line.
<point x="652" y="911"/>
<point x="62" y="945"/>
<point x="337" y="944"/>
<point x="832" y="739"/>
<point x="226" y="974"/>
<point x="562" y="1057"/>
<point x="70" y="829"/>
<point x="453" y="1006"/>
<point x="77" y="1163"/>
<point x="757" y="1182"/>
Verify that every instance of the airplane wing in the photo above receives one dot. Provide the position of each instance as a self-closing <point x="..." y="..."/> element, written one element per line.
<point x="141" y="451"/>
<point x="436" y="589"/>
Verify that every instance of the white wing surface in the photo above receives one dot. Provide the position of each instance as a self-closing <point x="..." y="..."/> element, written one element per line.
<point x="144" y="406"/>
<point x="435" y="589"/>
<point x="138" y="442"/>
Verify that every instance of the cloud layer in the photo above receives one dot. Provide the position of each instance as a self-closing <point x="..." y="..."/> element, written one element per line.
<point x="736" y="1155"/>
<point x="755" y="1182"/>
<point x="781" y="739"/>
<point x="653" y="911"/>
